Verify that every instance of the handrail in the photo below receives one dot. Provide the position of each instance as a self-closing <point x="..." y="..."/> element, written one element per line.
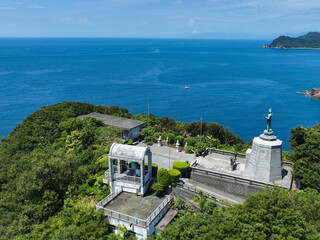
<point x="125" y="217"/>
<point x="194" y="190"/>
<point x="227" y="152"/>
<point x="231" y="177"/>
<point x="155" y="213"/>
<point x="291" y="164"/>
<point x="107" y="199"/>
<point x="135" y="220"/>
<point x="123" y="177"/>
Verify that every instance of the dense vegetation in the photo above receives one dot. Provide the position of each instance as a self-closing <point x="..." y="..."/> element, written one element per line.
<point x="51" y="170"/>
<point x="310" y="40"/>
<point x="272" y="214"/>
<point x="52" y="166"/>
<point x="198" y="135"/>
<point x="305" y="147"/>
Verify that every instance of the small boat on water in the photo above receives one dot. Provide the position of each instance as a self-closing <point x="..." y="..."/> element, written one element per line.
<point x="186" y="87"/>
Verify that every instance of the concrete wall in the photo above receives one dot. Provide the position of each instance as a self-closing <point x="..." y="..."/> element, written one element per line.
<point x="229" y="186"/>
<point x="187" y="196"/>
<point x="151" y="228"/>
<point x="141" y="232"/>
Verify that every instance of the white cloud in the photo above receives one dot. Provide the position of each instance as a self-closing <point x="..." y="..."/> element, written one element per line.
<point x="195" y="31"/>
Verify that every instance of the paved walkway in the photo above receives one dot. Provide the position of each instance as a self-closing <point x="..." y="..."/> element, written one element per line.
<point x="221" y="163"/>
<point x="164" y="155"/>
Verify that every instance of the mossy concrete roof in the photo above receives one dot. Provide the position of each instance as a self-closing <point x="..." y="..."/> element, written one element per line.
<point x="119" y="122"/>
<point x="135" y="206"/>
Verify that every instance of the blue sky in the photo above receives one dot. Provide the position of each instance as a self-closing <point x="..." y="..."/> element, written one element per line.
<point x="158" y="18"/>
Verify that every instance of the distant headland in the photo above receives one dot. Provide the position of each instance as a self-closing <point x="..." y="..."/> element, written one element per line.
<point x="310" y="40"/>
<point x="315" y="92"/>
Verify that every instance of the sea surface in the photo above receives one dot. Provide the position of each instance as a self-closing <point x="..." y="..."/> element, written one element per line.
<point x="231" y="82"/>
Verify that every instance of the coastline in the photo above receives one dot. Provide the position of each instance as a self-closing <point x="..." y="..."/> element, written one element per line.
<point x="314" y="93"/>
<point x="296" y="48"/>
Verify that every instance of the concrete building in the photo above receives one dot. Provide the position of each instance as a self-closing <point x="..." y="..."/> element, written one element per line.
<point x="130" y="128"/>
<point x="130" y="204"/>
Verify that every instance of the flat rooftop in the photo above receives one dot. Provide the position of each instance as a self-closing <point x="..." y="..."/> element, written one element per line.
<point x="119" y="122"/>
<point x="135" y="206"/>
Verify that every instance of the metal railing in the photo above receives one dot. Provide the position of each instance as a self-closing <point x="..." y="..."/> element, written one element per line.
<point x="224" y="152"/>
<point x="283" y="163"/>
<point x="157" y="211"/>
<point x="107" y="199"/>
<point x="124" y="178"/>
<point x="231" y="177"/>
<point x="124" y="217"/>
<point x="208" y="195"/>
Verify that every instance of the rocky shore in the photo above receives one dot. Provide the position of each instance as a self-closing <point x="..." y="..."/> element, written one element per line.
<point x="315" y="92"/>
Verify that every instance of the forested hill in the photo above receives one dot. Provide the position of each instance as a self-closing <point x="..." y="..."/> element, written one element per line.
<point x="53" y="163"/>
<point x="310" y="40"/>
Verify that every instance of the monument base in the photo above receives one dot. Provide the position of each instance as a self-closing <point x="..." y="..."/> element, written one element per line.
<point x="263" y="161"/>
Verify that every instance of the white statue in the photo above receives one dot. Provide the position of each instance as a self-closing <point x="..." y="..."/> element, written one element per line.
<point x="177" y="146"/>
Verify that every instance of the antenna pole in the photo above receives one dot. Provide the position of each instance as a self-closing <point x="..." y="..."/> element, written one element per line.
<point x="148" y="116"/>
<point x="120" y="125"/>
<point x="201" y="130"/>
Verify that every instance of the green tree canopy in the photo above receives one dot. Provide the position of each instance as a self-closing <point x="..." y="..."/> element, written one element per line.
<point x="272" y="214"/>
<point x="305" y="147"/>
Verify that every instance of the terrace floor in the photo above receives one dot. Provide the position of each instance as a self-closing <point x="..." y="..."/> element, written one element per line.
<point x="221" y="163"/>
<point x="135" y="206"/>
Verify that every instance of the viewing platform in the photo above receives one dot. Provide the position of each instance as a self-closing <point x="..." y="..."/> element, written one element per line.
<point x="131" y="203"/>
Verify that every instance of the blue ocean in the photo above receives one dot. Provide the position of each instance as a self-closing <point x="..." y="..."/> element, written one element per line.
<point x="231" y="82"/>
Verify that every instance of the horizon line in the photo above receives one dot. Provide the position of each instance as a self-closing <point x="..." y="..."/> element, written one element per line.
<point x="155" y="38"/>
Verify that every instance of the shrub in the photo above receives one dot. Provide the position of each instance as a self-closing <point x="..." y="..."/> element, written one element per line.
<point x="190" y="140"/>
<point x="189" y="149"/>
<point x="170" y="136"/>
<point x="154" y="169"/>
<point x="158" y="188"/>
<point x="209" y="207"/>
<point x="200" y="147"/>
<point x="149" y="143"/>
<point x="128" y="142"/>
<point x="163" y="177"/>
<point x="180" y="138"/>
<point x="183" y="167"/>
<point x="156" y="136"/>
<point x="174" y="175"/>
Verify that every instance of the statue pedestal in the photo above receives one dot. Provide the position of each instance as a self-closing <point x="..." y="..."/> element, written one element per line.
<point x="263" y="161"/>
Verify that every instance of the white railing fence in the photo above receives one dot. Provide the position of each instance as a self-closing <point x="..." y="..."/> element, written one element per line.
<point x="107" y="199"/>
<point x="130" y="219"/>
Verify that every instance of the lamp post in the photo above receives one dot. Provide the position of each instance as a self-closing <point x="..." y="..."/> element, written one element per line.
<point x="169" y="152"/>
<point x="210" y="140"/>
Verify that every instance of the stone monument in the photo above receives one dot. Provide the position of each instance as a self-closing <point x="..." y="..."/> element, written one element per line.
<point x="159" y="141"/>
<point x="263" y="161"/>
<point x="177" y="146"/>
